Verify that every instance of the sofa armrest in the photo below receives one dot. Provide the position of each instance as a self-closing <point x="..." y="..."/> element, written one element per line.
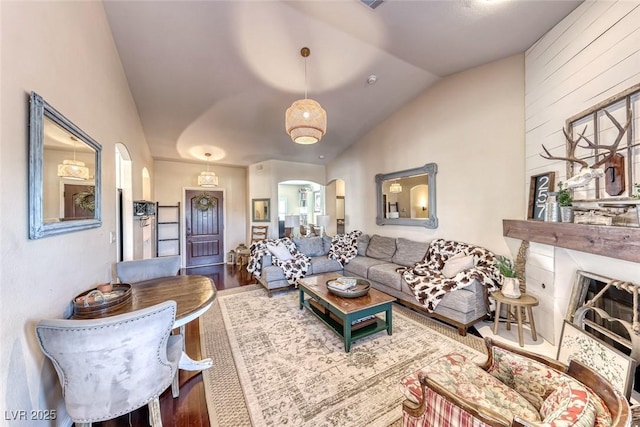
<point x="266" y="261"/>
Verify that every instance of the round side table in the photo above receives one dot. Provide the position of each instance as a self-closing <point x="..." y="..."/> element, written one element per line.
<point x="519" y="305"/>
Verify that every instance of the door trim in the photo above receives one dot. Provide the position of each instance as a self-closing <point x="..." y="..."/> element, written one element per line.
<point x="183" y="224"/>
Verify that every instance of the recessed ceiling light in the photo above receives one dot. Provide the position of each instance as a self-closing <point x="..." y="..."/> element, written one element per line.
<point x="321" y="156"/>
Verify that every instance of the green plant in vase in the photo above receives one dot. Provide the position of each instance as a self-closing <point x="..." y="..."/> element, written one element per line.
<point x="565" y="200"/>
<point x="636" y="194"/>
<point x="510" y="282"/>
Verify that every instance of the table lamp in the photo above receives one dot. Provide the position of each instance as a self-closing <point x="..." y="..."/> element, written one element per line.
<point x="290" y="223"/>
<point x="323" y="222"/>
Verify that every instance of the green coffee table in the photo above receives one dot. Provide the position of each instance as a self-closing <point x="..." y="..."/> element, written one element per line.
<point x="339" y="314"/>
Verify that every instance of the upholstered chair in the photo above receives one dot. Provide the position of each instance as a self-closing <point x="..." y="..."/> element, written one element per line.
<point x="111" y="366"/>
<point x="147" y="269"/>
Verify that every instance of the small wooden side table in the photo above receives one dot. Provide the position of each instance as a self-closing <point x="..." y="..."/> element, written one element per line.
<point x="243" y="256"/>
<point x="519" y="305"/>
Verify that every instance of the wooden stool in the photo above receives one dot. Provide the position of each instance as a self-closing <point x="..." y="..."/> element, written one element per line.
<point x="243" y="257"/>
<point x="519" y="304"/>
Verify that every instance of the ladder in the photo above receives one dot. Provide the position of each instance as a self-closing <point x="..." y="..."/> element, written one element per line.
<point x="167" y="230"/>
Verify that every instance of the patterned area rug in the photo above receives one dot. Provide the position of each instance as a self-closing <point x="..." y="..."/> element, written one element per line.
<point x="275" y="364"/>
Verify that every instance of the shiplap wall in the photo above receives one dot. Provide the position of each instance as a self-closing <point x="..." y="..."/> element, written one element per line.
<point x="590" y="56"/>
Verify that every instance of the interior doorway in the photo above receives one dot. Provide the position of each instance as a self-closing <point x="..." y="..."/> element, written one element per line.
<point x="124" y="203"/>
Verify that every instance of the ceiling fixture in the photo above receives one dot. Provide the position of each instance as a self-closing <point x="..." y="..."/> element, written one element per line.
<point x="372" y="79"/>
<point x="305" y="120"/>
<point x="206" y="178"/>
<point x="395" y="188"/>
<point x="73" y="169"/>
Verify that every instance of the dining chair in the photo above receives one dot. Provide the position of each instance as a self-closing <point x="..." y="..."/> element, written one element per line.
<point x="147" y="269"/>
<point x="111" y="366"/>
<point x="259" y="232"/>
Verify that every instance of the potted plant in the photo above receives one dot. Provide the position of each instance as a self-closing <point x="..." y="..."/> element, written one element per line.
<point x="564" y="200"/>
<point x="510" y="282"/>
<point x="636" y="195"/>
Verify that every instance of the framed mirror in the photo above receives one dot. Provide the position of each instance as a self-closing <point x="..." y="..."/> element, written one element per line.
<point x="407" y="197"/>
<point x="260" y="210"/>
<point x="64" y="174"/>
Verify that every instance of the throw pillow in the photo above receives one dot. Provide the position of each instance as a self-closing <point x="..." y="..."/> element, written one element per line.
<point x="279" y="251"/>
<point x="363" y="243"/>
<point x="455" y="265"/>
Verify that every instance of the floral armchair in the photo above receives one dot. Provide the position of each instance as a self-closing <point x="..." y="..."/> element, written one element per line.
<point x="512" y="388"/>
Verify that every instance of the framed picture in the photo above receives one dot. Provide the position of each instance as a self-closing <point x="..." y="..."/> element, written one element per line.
<point x="539" y="189"/>
<point x="260" y="209"/>
<point x="317" y="202"/>
<point x="612" y="364"/>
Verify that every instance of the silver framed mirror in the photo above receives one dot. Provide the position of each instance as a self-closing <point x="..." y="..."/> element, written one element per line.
<point x="407" y="197"/>
<point x="64" y="174"/>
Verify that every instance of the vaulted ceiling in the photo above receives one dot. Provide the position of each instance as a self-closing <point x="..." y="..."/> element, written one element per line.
<point x="217" y="76"/>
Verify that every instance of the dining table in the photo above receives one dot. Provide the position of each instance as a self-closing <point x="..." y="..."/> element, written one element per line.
<point x="193" y="295"/>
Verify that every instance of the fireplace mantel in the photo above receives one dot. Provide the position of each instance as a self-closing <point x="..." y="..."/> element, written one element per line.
<point x="613" y="242"/>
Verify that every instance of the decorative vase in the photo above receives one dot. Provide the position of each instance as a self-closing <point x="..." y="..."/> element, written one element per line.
<point x="511" y="287"/>
<point x="566" y="213"/>
<point x="552" y="212"/>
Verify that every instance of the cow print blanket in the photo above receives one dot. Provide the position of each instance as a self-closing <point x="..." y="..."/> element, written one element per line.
<point x="294" y="268"/>
<point x="429" y="285"/>
<point x="344" y="247"/>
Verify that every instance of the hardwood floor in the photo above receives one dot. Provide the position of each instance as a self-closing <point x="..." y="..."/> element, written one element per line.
<point x="190" y="408"/>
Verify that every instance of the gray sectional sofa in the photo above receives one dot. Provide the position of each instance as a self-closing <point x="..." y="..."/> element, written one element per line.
<point x="378" y="260"/>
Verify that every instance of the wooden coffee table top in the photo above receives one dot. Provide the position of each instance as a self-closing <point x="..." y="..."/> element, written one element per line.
<point x="317" y="286"/>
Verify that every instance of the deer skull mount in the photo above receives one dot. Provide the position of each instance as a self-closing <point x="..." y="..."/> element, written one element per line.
<point x="587" y="173"/>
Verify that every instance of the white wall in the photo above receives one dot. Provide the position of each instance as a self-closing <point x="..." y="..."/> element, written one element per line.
<point x="172" y="177"/>
<point x="589" y="56"/>
<point x="65" y="52"/>
<point x="472" y="125"/>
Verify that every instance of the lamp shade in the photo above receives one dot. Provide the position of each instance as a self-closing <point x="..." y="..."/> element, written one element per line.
<point x="208" y="179"/>
<point x="73" y="169"/>
<point x="322" y="220"/>
<point x="306" y="121"/>
<point x="291" y="221"/>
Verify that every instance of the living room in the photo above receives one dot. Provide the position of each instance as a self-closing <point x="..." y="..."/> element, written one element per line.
<point x="483" y="127"/>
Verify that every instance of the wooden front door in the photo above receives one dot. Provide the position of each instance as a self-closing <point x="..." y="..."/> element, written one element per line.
<point x="204" y="227"/>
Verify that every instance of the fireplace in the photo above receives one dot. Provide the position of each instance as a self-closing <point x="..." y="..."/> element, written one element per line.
<point x="605" y="308"/>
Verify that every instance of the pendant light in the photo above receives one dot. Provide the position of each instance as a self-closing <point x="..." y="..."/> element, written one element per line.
<point x="73" y="169"/>
<point x="206" y="178"/>
<point x="305" y="120"/>
<point x="395" y="188"/>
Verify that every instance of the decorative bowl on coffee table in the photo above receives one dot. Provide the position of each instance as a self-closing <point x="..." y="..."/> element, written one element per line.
<point x="361" y="288"/>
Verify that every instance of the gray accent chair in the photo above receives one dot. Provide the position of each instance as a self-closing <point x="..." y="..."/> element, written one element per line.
<point x="111" y="366"/>
<point x="147" y="269"/>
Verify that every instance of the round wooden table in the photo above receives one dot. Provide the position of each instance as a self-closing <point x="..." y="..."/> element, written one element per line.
<point x="193" y="296"/>
<point x="519" y="305"/>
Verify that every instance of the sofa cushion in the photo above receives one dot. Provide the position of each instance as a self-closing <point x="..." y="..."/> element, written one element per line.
<point x="359" y="266"/>
<point x="326" y="244"/>
<point x="322" y="264"/>
<point x="363" y="243"/>
<point x="466" y="379"/>
<point x="381" y="248"/>
<point x="386" y="274"/>
<point x="409" y="252"/>
<point x="272" y="273"/>
<point x="310" y="246"/>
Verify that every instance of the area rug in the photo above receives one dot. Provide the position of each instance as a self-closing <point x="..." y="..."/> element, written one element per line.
<point x="275" y="364"/>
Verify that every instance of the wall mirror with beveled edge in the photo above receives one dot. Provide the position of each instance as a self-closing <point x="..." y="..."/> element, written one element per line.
<point x="407" y="197"/>
<point x="64" y="174"/>
<point x="261" y="210"/>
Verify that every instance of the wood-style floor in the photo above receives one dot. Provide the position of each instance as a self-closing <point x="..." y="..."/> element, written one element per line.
<point x="190" y="408"/>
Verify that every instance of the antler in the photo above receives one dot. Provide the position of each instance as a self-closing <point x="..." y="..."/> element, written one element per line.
<point x="572" y="150"/>
<point x="610" y="148"/>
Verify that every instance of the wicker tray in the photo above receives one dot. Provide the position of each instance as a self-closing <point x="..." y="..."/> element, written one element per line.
<point x="93" y="303"/>
<point x="360" y="289"/>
